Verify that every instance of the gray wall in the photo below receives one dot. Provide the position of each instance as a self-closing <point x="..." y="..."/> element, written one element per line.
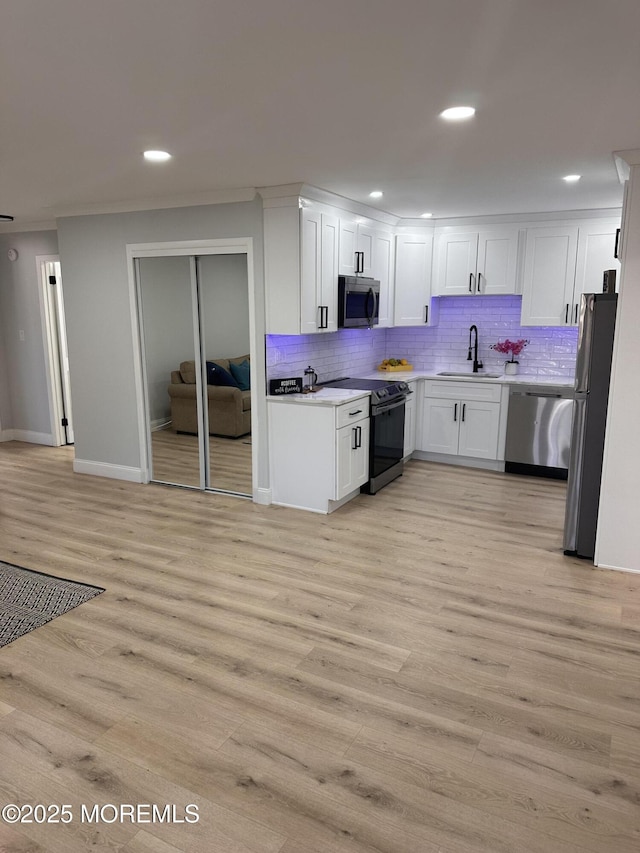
<point x="101" y="352"/>
<point x="24" y="400"/>
<point x="168" y="326"/>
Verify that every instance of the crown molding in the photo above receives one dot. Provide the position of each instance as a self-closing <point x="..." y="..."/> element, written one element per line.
<point x="624" y="160"/>
<point x="286" y="194"/>
<point x="24" y="226"/>
<point x="162" y="203"/>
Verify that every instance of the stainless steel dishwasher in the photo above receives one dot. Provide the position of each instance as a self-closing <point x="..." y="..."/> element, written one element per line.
<point x="539" y="430"/>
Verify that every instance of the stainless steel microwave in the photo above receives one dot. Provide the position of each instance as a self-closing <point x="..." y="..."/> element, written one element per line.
<point x="358" y="301"/>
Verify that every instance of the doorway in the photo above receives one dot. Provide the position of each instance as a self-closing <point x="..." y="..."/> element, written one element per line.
<point x="55" y="347"/>
<point x="195" y="324"/>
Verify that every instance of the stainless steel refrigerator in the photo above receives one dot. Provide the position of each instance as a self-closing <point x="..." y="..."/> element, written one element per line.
<point x="593" y="371"/>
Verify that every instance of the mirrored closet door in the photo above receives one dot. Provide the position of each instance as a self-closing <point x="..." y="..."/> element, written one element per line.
<point x="194" y="330"/>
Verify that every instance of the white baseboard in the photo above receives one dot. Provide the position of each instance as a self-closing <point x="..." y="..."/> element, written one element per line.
<point x="29" y="436"/>
<point x="262" y="496"/>
<point x="617" y="568"/>
<point x="105" y="469"/>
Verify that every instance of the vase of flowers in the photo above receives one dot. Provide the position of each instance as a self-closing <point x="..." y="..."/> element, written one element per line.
<point x="512" y="348"/>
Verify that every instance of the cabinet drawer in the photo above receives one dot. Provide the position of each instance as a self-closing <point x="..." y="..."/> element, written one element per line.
<point x="472" y="389"/>
<point x="352" y="412"/>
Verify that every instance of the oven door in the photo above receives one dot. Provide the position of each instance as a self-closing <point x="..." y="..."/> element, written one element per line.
<point x="386" y="447"/>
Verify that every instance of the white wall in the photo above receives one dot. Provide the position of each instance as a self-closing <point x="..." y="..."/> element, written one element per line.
<point x="618" y="541"/>
<point x="24" y="401"/>
<point x="101" y="352"/>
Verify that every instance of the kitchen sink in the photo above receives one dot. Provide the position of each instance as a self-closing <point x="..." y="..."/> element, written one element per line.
<point x="472" y="375"/>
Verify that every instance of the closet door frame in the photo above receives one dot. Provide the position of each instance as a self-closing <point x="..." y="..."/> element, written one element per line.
<point x="192" y="249"/>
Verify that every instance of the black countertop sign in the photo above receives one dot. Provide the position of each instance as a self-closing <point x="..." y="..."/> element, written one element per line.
<point x="286" y="386"/>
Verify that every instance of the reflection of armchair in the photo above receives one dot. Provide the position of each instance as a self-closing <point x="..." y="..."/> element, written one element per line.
<point x="229" y="408"/>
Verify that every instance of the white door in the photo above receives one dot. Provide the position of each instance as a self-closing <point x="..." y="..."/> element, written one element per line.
<point x="596" y="246"/>
<point x="328" y="296"/>
<point x="382" y="269"/>
<point x="310" y="272"/>
<point x="347" y="247"/>
<point x="440" y="426"/>
<point x="456" y="264"/>
<point x="549" y="274"/>
<point x="497" y="262"/>
<point x="56" y="352"/>
<point x="413" y="279"/>
<point x="479" y="429"/>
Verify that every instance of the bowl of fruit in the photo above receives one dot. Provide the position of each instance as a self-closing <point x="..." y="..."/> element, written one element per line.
<point x="395" y="364"/>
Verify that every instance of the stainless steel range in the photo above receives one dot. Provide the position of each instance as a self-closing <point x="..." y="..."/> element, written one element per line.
<point x="386" y="447"/>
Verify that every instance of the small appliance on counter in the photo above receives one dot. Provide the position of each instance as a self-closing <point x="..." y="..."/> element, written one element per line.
<point x="386" y="443"/>
<point x="310" y="382"/>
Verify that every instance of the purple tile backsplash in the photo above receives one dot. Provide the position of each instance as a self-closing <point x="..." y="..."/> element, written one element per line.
<point x="551" y="351"/>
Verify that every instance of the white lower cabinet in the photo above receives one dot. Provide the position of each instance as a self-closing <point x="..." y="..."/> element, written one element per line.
<point x="461" y="419"/>
<point x="319" y="454"/>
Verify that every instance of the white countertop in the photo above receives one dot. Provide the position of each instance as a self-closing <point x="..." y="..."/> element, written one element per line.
<point x="519" y="379"/>
<point x="323" y="397"/>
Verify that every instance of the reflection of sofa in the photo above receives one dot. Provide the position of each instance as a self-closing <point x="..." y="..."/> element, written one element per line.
<point x="229" y="408"/>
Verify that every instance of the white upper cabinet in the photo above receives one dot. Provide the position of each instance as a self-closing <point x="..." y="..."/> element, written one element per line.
<point x="560" y="264"/>
<point x="369" y="251"/>
<point x="596" y="253"/>
<point x="413" y="304"/>
<point x="471" y="263"/>
<point x="301" y="269"/>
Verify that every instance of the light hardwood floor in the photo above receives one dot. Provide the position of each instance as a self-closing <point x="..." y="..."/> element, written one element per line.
<point x="421" y="672"/>
<point x="176" y="460"/>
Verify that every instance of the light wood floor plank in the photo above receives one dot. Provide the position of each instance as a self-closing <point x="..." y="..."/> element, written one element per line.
<point x="423" y="671"/>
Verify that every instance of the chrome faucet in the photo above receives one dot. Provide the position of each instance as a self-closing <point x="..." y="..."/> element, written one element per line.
<point x="476" y="364"/>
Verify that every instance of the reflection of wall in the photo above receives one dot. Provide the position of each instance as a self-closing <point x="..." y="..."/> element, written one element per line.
<point x="225" y="298"/>
<point x="168" y="326"/>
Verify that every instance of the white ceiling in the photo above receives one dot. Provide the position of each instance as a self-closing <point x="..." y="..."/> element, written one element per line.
<point x="342" y="94"/>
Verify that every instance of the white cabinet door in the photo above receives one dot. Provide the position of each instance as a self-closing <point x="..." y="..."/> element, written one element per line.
<point x="328" y="296"/>
<point x="549" y="274"/>
<point x="347" y="247"/>
<point x="365" y="239"/>
<point x="352" y="457"/>
<point x="413" y="280"/>
<point x="479" y="424"/>
<point x="383" y="269"/>
<point x="596" y="246"/>
<point x="310" y="272"/>
<point x="319" y="272"/>
<point x="456" y="256"/>
<point x="497" y="262"/>
<point x="440" y="426"/>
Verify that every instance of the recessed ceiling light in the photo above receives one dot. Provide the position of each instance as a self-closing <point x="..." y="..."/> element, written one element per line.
<point x="426" y="215"/>
<point x="157" y="156"/>
<point x="376" y="194"/>
<point x="456" y="113"/>
<point x="571" y="179"/>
